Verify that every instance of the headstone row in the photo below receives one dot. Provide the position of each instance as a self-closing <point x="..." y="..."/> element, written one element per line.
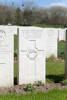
<point x="60" y="32"/>
<point x="33" y="46"/>
<point x="6" y="58"/>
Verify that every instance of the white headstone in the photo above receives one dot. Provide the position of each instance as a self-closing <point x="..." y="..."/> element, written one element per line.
<point x="52" y="42"/>
<point x="6" y="58"/>
<point x="32" y="54"/>
<point x="62" y="34"/>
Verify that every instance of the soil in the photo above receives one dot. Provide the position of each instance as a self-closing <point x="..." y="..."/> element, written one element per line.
<point x="19" y="89"/>
<point x="59" y="59"/>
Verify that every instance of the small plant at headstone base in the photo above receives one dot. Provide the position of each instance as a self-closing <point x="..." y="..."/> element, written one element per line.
<point x="29" y="88"/>
<point x="39" y="83"/>
<point x="64" y="82"/>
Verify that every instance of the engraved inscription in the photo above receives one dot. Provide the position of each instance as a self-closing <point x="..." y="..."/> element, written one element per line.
<point x="2" y="36"/>
<point x="32" y="54"/>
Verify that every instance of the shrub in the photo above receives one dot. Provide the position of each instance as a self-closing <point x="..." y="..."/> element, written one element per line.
<point x="39" y="83"/>
<point x="15" y="54"/>
<point x="64" y="82"/>
<point x="62" y="54"/>
<point x="61" y="49"/>
<point x="29" y="87"/>
<point x="51" y="58"/>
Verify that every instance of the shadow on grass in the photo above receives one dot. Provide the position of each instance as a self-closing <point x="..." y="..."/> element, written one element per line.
<point x="15" y="80"/>
<point x="55" y="78"/>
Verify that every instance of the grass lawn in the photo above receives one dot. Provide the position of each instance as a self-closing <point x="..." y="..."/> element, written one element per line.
<point x="54" y="71"/>
<point x="15" y="69"/>
<point x="61" y="49"/>
<point x="54" y="94"/>
<point x="15" y="42"/>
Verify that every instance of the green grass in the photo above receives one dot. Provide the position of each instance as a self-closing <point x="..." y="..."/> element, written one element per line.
<point x="49" y="26"/>
<point x="15" y="69"/>
<point x="15" y="42"/>
<point x="61" y="49"/>
<point x="54" y="94"/>
<point x="54" y="71"/>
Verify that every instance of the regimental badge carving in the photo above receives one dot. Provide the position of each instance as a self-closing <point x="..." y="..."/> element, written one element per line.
<point x="2" y="36"/>
<point x="32" y="54"/>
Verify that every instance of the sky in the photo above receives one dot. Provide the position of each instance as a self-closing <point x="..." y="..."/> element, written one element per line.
<point x="42" y="3"/>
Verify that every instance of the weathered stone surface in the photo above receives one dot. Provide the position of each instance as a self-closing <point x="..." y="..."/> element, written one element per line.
<point x="6" y="58"/>
<point x="52" y="42"/>
<point x="32" y="54"/>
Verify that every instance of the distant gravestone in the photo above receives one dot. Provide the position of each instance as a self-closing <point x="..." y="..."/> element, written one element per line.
<point x="62" y="34"/>
<point x="52" y="41"/>
<point x="32" y="54"/>
<point x="6" y="58"/>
